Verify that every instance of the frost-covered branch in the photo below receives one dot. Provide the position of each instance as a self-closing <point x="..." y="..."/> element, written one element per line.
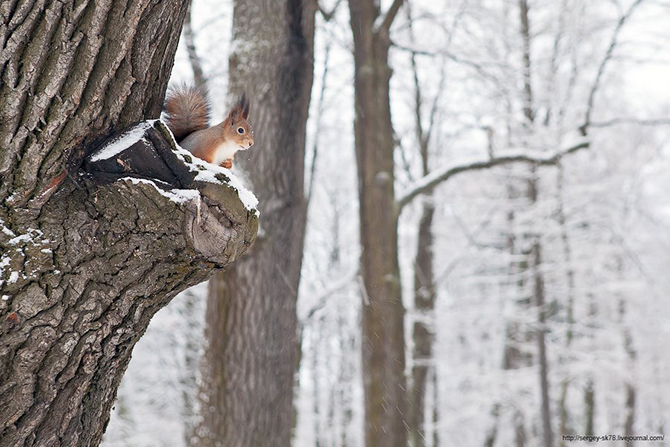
<point x="331" y="289"/>
<point x="438" y="176"/>
<point x="636" y="121"/>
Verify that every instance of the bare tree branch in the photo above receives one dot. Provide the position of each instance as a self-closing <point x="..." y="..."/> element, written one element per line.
<point x="403" y="157"/>
<point x="441" y="175"/>
<point x="603" y="65"/>
<point x="416" y="51"/>
<point x="479" y="67"/>
<point x="443" y="69"/>
<point x="637" y="121"/>
<point x="418" y="99"/>
<point x="327" y="15"/>
<point x="390" y="16"/>
<point x="324" y="298"/>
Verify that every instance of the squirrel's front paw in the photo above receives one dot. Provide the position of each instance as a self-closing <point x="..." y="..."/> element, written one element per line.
<point x="227" y="163"/>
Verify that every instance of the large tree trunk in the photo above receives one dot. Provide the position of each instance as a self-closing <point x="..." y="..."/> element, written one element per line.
<point x="383" y="341"/>
<point x="251" y="323"/>
<point x="86" y="265"/>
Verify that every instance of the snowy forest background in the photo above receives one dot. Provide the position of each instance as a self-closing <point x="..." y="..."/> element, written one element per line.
<point x="593" y="230"/>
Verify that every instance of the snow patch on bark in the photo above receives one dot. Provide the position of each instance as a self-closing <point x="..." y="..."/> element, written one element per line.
<point x="175" y="195"/>
<point x="13" y="277"/>
<point x="123" y="141"/>
<point x="6" y="230"/>
<point x="33" y="236"/>
<point x="4" y="262"/>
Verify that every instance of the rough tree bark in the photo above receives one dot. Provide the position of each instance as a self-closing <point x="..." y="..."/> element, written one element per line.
<point x="251" y="324"/>
<point x="383" y="339"/>
<point x="85" y="264"/>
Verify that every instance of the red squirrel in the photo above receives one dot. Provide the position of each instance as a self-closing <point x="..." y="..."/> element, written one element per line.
<point x="187" y="115"/>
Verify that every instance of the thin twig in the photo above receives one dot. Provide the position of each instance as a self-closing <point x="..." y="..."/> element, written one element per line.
<point x="327" y="15"/>
<point x="637" y="121"/>
<point x="603" y="64"/>
<point x="329" y="290"/>
<point x="390" y="16"/>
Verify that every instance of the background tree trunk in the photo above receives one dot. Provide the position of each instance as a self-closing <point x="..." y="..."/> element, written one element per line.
<point x="534" y="257"/>
<point x="540" y="304"/>
<point x="425" y="291"/>
<point x="199" y="78"/>
<point x="589" y="408"/>
<point x="383" y="341"/>
<point x="85" y="266"/>
<point x="565" y="427"/>
<point x="422" y="334"/>
<point x="251" y="323"/>
<point x="631" y="354"/>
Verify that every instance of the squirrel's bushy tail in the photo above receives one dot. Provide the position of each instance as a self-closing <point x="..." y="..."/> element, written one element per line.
<point x="187" y="110"/>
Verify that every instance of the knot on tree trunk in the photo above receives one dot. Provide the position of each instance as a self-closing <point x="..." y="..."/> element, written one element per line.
<point x="219" y="215"/>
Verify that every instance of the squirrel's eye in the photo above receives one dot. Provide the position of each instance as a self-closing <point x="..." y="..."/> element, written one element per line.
<point x="240" y="130"/>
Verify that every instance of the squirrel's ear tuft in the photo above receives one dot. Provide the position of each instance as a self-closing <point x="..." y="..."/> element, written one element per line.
<point x="240" y="109"/>
<point x="245" y="110"/>
<point x="243" y="104"/>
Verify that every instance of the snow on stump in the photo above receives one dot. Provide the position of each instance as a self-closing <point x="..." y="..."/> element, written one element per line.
<point x="219" y="215"/>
